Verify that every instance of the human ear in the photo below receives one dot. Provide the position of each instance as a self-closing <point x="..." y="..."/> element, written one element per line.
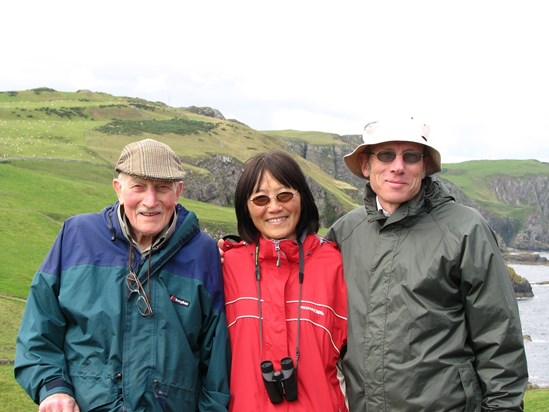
<point x="363" y="160"/>
<point x="117" y="186"/>
<point x="179" y="188"/>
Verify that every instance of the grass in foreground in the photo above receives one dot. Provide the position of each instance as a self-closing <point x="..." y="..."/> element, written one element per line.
<point x="536" y="400"/>
<point x="14" y="399"/>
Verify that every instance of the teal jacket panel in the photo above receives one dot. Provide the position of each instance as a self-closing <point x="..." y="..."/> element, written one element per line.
<point x="82" y="333"/>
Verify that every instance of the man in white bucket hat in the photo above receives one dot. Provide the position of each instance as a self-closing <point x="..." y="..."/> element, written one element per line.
<point x="433" y="319"/>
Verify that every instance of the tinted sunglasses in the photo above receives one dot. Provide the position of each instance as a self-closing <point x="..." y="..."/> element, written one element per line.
<point x="264" y="200"/>
<point x="387" y="156"/>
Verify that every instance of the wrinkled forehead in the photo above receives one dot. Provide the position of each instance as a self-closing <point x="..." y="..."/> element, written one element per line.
<point x="397" y="146"/>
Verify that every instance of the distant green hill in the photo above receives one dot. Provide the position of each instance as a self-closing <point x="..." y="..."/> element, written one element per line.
<point x="57" y="151"/>
<point x="476" y="179"/>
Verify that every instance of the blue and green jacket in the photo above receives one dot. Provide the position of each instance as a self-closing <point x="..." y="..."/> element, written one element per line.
<point x="83" y="335"/>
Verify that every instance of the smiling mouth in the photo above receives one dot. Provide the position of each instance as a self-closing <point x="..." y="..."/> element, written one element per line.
<point x="150" y="214"/>
<point x="276" y="219"/>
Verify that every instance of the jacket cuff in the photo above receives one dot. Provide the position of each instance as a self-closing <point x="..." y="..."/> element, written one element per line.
<point x="58" y="385"/>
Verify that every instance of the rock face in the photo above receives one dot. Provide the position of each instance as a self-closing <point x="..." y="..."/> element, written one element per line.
<point x="530" y="192"/>
<point x="217" y="186"/>
<point x="534" y="191"/>
<point x="214" y="181"/>
<point x="529" y="232"/>
<point x="526" y="258"/>
<point x="532" y="233"/>
<point x="206" y="111"/>
<point x="521" y="286"/>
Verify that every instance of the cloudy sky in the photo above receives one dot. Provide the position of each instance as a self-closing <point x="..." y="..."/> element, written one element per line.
<point x="476" y="71"/>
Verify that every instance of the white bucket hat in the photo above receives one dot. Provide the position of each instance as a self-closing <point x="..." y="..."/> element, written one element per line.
<point x="404" y="130"/>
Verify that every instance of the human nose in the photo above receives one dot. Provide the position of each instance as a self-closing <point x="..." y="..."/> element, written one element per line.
<point x="274" y="203"/>
<point x="397" y="165"/>
<point x="151" y="198"/>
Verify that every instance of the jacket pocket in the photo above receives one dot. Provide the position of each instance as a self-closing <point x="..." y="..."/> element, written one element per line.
<point x="172" y="398"/>
<point x="95" y="392"/>
<point x="471" y="388"/>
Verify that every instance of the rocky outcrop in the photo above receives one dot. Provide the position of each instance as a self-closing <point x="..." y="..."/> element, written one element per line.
<point x="525" y="258"/>
<point x="533" y="191"/>
<point x="527" y="230"/>
<point x="205" y="111"/>
<point x="330" y="159"/>
<point x="500" y="225"/>
<point x="212" y="179"/>
<point x="521" y="286"/>
<point x="531" y="195"/>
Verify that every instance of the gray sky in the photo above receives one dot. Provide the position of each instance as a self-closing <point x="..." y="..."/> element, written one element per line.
<point x="476" y="71"/>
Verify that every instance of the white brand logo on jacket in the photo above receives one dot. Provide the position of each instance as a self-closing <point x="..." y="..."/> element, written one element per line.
<point x="318" y="312"/>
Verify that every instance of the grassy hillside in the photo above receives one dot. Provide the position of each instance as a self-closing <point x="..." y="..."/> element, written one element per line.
<point x="472" y="178"/>
<point x="57" y="151"/>
<point x="316" y="138"/>
<point x="40" y="195"/>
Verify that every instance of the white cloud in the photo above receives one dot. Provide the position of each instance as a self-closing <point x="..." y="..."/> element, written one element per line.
<point x="475" y="70"/>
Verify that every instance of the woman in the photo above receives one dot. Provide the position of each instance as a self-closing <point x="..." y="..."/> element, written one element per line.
<point x="286" y="299"/>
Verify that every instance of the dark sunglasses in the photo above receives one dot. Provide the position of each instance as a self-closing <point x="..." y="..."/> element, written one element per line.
<point x="387" y="156"/>
<point x="264" y="200"/>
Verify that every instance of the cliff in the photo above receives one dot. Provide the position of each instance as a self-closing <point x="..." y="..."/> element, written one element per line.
<point x="514" y="202"/>
<point x="89" y="128"/>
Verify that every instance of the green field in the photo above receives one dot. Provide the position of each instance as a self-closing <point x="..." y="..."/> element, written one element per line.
<point x="473" y="178"/>
<point x="56" y="162"/>
<point x="39" y="196"/>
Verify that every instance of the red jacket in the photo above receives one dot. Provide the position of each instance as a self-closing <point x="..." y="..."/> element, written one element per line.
<point x="323" y="322"/>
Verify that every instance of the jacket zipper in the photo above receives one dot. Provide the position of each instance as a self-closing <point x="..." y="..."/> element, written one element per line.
<point x="277" y="250"/>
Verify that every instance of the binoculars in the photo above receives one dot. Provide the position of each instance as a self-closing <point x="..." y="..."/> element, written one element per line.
<point x="280" y="384"/>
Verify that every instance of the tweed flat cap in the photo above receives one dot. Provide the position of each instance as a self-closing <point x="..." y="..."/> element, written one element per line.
<point x="151" y="160"/>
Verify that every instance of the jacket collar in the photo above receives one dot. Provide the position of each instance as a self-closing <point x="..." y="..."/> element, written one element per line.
<point x="275" y="249"/>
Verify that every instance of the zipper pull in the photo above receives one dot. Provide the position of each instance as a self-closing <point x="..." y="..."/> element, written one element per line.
<point x="277" y="249"/>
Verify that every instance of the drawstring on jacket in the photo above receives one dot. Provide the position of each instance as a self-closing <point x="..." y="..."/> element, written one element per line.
<point x="111" y="225"/>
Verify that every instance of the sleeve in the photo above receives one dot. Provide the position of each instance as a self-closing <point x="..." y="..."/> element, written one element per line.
<point x="493" y="321"/>
<point x="215" y="355"/>
<point x="40" y="366"/>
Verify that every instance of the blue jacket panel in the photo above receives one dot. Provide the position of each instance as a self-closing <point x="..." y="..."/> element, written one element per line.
<point x="82" y="333"/>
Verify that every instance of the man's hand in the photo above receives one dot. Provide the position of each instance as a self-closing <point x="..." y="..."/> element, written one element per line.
<point x="59" y="402"/>
<point x="220" y="247"/>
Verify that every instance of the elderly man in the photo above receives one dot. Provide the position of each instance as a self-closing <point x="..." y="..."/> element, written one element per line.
<point x="126" y="311"/>
<point x="433" y="320"/>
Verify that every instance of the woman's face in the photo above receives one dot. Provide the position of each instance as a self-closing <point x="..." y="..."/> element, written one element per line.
<point x="275" y="220"/>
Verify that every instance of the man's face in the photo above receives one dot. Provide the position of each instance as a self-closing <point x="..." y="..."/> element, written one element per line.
<point x="148" y="204"/>
<point x="396" y="181"/>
